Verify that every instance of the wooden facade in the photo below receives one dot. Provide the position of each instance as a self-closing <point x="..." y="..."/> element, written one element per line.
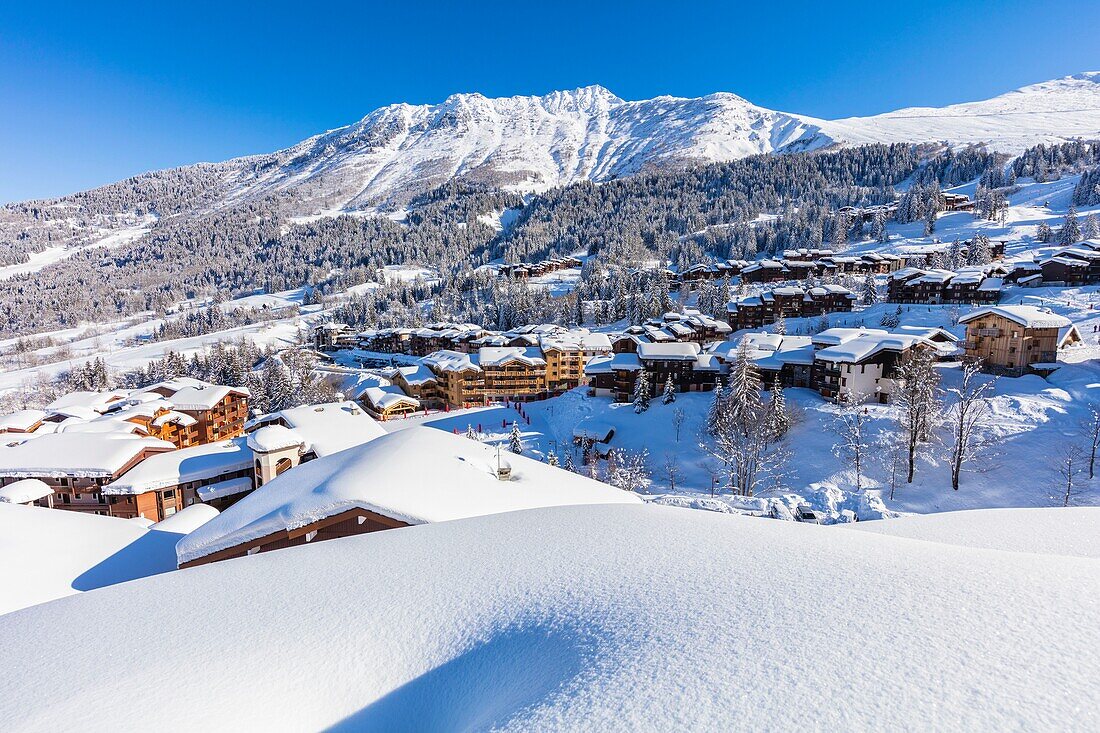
<point x="1007" y="347"/>
<point x="345" y="524"/>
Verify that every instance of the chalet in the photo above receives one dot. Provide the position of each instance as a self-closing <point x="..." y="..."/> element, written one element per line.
<point x="215" y="473"/>
<point x="957" y="202"/>
<point x="513" y="373"/>
<point x="460" y="377"/>
<point x="77" y="466"/>
<point x="418" y="382"/>
<point x="789" y="302"/>
<point x="1014" y="339"/>
<point x="334" y="336"/>
<point x="683" y="363"/>
<point x="220" y="474"/>
<point x="765" y="271"/>
<point x="415" y="476"/>
<point x="219" y="411"/>
<point x="387" y="402"/>
<point x="971" y="285"/>
<point x="567" y="353"/>
<point x="858" y="364"/>
<point x="22" y="421"/>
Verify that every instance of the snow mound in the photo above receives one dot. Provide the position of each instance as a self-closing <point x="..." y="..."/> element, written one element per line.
<point x="51" y="553"/>
<point x="595" y="617"/>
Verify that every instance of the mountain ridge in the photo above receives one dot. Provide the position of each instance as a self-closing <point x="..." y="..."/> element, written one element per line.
<point x="528" y="144"/>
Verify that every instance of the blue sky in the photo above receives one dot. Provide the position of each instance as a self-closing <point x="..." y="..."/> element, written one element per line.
<point x="89" y="96"/>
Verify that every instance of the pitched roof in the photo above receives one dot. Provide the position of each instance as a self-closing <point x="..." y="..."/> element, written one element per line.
<point x="1027" y="316"/>
<point x="417" y="476"/>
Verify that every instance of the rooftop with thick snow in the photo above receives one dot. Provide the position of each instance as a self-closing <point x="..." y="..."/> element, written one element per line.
<point x="416" y="476"/>
<point x="1028" y="316"/>
<point x="183" y="465"/>
<point x="85" y="455"/>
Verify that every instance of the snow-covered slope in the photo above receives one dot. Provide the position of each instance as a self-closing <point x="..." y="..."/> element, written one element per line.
<point x="1052" y="111"/>
<point x="579" y="618"/>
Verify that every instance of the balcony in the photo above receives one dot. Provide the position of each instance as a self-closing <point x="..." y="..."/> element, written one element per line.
<point x="991" y="332"/>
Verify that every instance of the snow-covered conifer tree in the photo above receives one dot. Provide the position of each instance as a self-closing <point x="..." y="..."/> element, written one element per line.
<point x="669" y="393"/>
<point x="641" y="392"/>
<point x="515" y="439"/>
<point x="870" y="292"/>
<point x="1071" y="230"/>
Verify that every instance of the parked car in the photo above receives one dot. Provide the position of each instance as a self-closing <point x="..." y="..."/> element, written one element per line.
<point x="805" y="513"/>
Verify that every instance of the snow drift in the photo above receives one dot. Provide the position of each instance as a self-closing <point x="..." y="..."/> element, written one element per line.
<point x="596" y="617"/>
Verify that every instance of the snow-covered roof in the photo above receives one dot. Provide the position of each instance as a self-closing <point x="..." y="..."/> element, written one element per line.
<point x="494" y="356"/>
<point x="187" y="519"/>
<point x="548" y="619"/>
<point x="593" y="430"/>
<point x="271" y="438"/>
<point x="24" y="490"/>
<point x="416" y="375"/>
<point x="446" y="360"/>
<point x="864" y="347"/>
<point x="331" y="427"/>
<point x="383" y="398"/>
<point x="174" y="417"/>
<point x="418" y="475"/>
<point x="96" y="401"/>
<point x="220" y="489"/>
<point x="838" y="335"/>
<point x="1027" y="316"/>
<point x="626" y="361"/>
<point x="599" y="364"/>
<point x="682" y="351"/>
<point x="83" y="455"/>
<point x="204" y="397"/>
<point x="21" y="420"/>
<point x="183" y="465"/>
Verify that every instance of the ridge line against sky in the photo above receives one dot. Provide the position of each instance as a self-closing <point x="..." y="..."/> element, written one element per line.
<point x="93" y="96"/>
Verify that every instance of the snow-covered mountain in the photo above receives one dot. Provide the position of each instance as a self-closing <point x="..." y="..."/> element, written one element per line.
<point x="529" y="144"/>
<point x="518" y="143"/>
<point x="1049" y="112"/>
<point x="533" y="143"/>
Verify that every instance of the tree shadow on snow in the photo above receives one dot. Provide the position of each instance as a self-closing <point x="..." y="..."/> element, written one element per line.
<point x="483" y="688"/>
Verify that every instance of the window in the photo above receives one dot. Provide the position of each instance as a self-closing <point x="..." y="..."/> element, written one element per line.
<point x="169" y="493"/>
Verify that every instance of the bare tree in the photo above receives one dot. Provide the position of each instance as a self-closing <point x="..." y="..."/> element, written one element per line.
<point x="1091" y="424"/>
<point x="916" y="403"/>
<point x="678" y="417"/>
<point x="672" y="469"/>
<point x="851" y="427"/>
<point x="967" y="415"/>
<point x="1068" y="464"/>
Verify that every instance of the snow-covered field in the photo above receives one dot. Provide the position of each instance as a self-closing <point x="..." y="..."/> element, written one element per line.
<point x="594" y="618"/>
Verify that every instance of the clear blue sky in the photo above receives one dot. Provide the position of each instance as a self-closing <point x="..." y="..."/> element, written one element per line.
<point x="91" y="95"/>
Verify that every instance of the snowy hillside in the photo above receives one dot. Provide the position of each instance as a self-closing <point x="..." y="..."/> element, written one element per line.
<point x="1051" y="111"/>
<point x="549" y="620"/>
